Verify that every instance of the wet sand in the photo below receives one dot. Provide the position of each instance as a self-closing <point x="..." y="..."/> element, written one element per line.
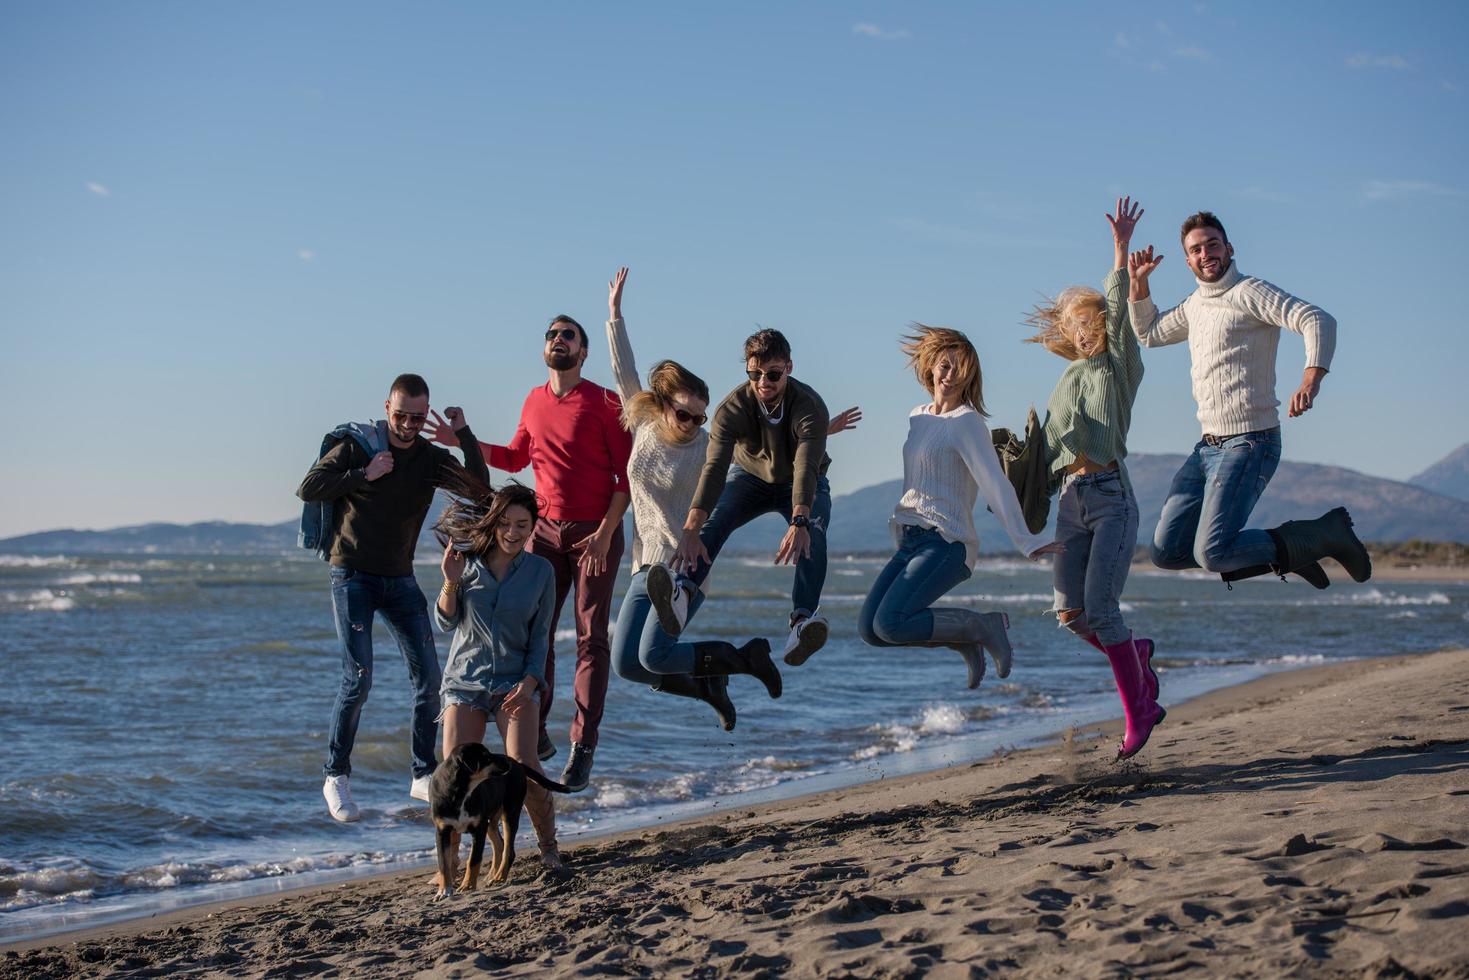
<point x="1310" y="822"/>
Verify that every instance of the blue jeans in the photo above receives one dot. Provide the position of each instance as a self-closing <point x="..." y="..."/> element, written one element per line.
<point x="1203" y="519"/>
<point x="1096" y="521"/>
<point x="747" y="497"/>
<point x="925" y="567"/>
<point x="356" y="597"/>
<point x="641" y="651"/>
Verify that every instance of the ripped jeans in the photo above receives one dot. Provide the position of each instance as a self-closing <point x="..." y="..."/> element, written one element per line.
<point x="356" y="598"/>
<point x="1096" y="522"/>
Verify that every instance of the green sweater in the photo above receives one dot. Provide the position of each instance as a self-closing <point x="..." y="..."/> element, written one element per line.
<point x="792" y="450"/>
<point x="1091" y="407"/>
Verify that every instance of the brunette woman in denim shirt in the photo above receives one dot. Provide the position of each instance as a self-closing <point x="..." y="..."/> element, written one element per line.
<point x="500" y="602"/>
<point x="1086" y="439"/>
<point x="949" y="460"/>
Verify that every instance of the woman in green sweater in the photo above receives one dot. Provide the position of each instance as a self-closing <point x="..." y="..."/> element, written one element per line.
<point x="1086" y="439"/>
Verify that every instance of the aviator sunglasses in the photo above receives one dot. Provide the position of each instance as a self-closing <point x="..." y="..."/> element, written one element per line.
<point x="771" y="376"/>
<point x="567" y="334"/>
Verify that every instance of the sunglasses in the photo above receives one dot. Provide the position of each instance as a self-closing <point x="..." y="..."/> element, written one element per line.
<point x="771" y="376"/>
<point x="687" y="417"/>
<point x="412" y="417"/>
<point x="567" y="334"/>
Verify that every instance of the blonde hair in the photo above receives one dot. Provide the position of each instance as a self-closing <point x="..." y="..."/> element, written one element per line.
<point x="667" y="379"/>
<point x="926" y="345"/>
<point x="1076" y="311"/>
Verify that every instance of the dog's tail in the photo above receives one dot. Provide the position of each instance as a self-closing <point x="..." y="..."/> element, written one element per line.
<point x="549" y="784"/>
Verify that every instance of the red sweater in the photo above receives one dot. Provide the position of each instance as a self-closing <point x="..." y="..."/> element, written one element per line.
<point x="576" y="447"/>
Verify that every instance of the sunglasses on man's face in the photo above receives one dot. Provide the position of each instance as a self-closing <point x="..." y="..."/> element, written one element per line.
<point x="567" y="334"/>
<point x="409" y="418"/>
<point x="687" y="417"/>
<point x="771" y="376"/>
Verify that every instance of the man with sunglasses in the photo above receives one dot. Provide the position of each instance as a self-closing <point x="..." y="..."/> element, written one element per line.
<point x="571" y="436"/>
<point x="381" y="501"/>
<point x="767" y="453"/>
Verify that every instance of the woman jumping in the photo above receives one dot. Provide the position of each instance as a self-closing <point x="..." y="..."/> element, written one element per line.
<point x="1086" y="439"/>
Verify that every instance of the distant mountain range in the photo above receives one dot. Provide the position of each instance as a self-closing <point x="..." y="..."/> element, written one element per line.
<point x="1449" y="476"/>
<point x="1384" y="510"/>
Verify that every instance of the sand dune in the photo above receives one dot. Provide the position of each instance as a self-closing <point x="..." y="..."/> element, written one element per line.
<point x="1314" y="822"/>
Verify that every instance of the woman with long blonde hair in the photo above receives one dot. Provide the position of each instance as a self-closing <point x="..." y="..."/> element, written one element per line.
<point x="669" y="443"/>
<point x="1086" y="439"/>
<point x="949" y="460"/>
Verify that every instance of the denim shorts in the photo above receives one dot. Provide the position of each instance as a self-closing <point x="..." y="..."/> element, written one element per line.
<point x="487" y="701"/>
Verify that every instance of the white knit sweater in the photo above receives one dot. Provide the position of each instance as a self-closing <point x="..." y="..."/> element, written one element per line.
<point x="1233" y="330"/>
<point x="662" y="476"/>
<point x="948" y="460"/>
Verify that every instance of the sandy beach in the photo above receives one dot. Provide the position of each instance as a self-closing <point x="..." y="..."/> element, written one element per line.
<point x="1309" y="822"/>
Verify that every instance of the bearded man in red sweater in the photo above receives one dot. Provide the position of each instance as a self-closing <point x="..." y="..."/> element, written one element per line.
<point x="571" y="435"/>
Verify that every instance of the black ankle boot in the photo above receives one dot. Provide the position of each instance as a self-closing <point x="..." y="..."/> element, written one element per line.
<point x="1312" y="573"/>
<point x="713" y="691"/>
<point x="715" y="657"/>
<point x="1298" y="543"/>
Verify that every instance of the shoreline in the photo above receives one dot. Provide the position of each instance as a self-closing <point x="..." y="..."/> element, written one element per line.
<point x="1066" y="759"/>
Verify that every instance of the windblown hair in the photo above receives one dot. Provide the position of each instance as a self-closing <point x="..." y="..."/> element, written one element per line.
<point x="475" y="511"/>
<point x="1203" y="219"/>
<point x="411" y="385"/>
<point x="666" y="380"/>
<point x="1077" y="312"/>
<point x="767" y="345"/>
<point x="926" y="345"/>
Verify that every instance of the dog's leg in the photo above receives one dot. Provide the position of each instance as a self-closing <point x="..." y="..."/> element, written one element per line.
<point x="497" y="845"/>
<point x="510" y="820"/>
<point x="447" y="845"/>
<point x="476" y="854"/>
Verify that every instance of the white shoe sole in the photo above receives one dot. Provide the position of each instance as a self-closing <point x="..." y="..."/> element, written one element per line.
<point x="811" y="638"/>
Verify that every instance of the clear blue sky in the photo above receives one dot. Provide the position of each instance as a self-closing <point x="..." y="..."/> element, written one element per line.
<point x="226" y="227"/>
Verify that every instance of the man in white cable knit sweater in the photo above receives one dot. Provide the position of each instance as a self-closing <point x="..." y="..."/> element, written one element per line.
<point x="1232" y="323"/>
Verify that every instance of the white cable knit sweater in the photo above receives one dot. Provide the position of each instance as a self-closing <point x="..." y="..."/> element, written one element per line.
<point x="948" y="460"/>
<point x="662" y="476"/>
<point x="1233" y="330"/>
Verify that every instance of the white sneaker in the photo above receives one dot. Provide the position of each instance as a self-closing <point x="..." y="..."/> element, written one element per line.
<point x="670" y="600"/>
<point x="418" y="789"/>
<point x="807" y="636"/>
<point x="338" y="793"/>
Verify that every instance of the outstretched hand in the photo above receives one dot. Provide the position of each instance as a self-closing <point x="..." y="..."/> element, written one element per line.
<point x="1125" y="220"/>
<point x="614" y="294"/>
<point x="1141" y="264"/>
<point x="843" y="421"/>
<point x="441" y="432"/>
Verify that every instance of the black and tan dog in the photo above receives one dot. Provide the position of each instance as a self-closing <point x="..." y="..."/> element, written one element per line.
<point x="478" y="792"/>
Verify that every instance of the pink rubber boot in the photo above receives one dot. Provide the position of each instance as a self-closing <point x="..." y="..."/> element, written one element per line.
<point x="1138" y="707"/>
<point x="1144" y="658"/>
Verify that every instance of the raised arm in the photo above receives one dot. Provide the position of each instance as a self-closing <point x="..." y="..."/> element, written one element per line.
<point x="1122" y="345"/>
<point x="474" y="460"/>
<point x="624" y="366"/>
<point x="1271" y="304"/>
<point x="978" y="451"/>
<point x="1152" y="329"/>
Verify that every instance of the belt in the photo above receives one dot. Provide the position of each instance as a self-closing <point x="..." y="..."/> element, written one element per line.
<point x="1217" y="441"/>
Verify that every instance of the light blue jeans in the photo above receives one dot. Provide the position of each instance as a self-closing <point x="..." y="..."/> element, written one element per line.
<point x="896" y="612"/>
<point x="641" y="650"/>
<point x="1096" y="522"/>
<point x="1203" y="519"/>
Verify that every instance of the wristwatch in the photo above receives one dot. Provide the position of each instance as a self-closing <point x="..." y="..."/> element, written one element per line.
<point x="800" y="520"/>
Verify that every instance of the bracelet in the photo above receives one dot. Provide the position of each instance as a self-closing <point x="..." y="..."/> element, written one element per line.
<point x="449" y="588"/>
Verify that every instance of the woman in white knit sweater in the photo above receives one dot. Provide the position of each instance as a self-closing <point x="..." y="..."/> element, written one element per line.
<point x="948" y="461"/>
<point x="669" y="443"/>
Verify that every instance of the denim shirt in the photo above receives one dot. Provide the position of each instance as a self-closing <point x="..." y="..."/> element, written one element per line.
<point x="502" y="630"/>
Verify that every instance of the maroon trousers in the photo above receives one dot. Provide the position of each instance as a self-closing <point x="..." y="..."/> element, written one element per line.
<point x="556" y="541"/>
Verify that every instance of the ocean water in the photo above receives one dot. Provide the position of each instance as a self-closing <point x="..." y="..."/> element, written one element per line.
<point x="164" y="718"/>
